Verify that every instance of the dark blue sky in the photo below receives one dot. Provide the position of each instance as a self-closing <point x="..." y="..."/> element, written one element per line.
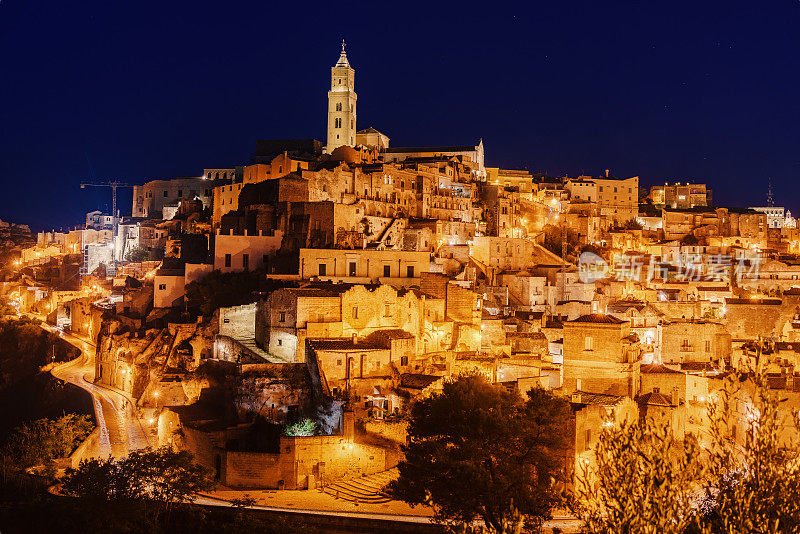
<point x="703" y="91"/>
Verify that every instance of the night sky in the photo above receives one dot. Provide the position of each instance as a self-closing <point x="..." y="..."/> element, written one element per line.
<point x="93" y="90"/>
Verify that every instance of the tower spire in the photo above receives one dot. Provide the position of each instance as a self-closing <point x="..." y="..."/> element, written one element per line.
<point x="343" y="62"/>
<point x="341" y="104"/>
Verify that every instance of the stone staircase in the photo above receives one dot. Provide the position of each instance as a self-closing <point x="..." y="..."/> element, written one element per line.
<point x="364" y="489"/>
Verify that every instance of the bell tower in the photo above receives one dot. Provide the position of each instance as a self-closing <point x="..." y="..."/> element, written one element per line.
<point x="341" y="105"/>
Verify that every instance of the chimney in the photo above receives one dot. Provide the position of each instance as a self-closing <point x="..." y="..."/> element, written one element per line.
<point x="355" y="337"/>
<point x="607" y="171"/>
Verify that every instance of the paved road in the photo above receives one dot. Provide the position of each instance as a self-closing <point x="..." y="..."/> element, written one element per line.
<point x="120" y="429"/>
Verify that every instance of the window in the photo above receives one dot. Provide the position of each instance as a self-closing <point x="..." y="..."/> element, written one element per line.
<point x="323" y="269"/>
<point x="587" y="444"/>
<point x="387" y="310"/>
<point x="337" y="122"/>
<point x="165" y="194"/>
<point x="280" y="342"/>
<point x="339" y="106"/>
<point x="387" y="271"/>
<point x="708" y="345"/>
<point x="685" y="345"/>
<point x="180" y="193"/>
<point x="351" y="268"/>
<point x="282" y="317"/>
<point x="227" y="260"/>
<point x="355" y="312"/>
<point x="410" y="271"/>
<point x="162" y="287"/>
<point x="245" y="261"/>
<point x="588" y="343"/>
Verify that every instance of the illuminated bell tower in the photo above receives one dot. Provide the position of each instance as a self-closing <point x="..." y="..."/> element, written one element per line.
<point x="341" y="105"/>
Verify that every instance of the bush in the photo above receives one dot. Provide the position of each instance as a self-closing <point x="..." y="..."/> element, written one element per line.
<point x="305" y="427"/>
<point x="41" y="441"/>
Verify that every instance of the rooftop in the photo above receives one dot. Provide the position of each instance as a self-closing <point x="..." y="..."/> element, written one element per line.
<point x="431" y="149"/>
<point x="598" y="318"/>
<point x="345" y="344"/>
<point x="655" y="398"/>
<point x="598" y="399"/>
<point x="417" y="381"/>
<point x="658" y="368"/>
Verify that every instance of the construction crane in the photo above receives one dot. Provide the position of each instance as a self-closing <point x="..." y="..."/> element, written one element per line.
<point x="114" y="185"/>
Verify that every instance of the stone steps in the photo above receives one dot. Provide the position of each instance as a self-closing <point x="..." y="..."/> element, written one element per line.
<point x="366" y="489"/>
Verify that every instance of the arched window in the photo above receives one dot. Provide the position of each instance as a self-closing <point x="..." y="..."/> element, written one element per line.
<point x="339" y="106"/>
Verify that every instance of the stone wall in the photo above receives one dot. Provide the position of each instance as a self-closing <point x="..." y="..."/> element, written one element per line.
<point x="462" y="304"/>
<point x="303" y="463"/>
<point x="679" y="310"/>
<point x="238" y="322"/>
<point x="750" y="319"/>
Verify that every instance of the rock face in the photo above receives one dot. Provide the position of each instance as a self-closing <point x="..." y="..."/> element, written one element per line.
<point x="157" y="359"/>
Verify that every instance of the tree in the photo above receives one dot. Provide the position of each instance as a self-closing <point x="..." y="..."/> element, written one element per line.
<point x="95" y="479"/>
<point x="641" y="481"/>
<point x="40" y="442"/>
<point x="139" y="254"/>
<point x="479" y="452"/>
<point x="754" y="479"/>
<point x="160" y="476"/>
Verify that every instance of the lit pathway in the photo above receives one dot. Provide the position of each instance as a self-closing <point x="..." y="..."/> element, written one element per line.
<point x="120" y="429"/>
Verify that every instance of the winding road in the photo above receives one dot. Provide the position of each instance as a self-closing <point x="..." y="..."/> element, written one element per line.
<point x="120" y="428"/>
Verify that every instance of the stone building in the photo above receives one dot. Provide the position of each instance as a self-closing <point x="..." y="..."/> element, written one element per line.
<point x="680" y="195"/>
<point x="244" y="252"/>
<point x="618" y="198"/>
<point x="320" y="311"/>
<point x="474" y="153"/>
<point x="150" y="199"/>
<point x="364" y="266"/>
<point x="694" y="341"/>
<point x="600" y="356"/>
<point x="684" y="401"/>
